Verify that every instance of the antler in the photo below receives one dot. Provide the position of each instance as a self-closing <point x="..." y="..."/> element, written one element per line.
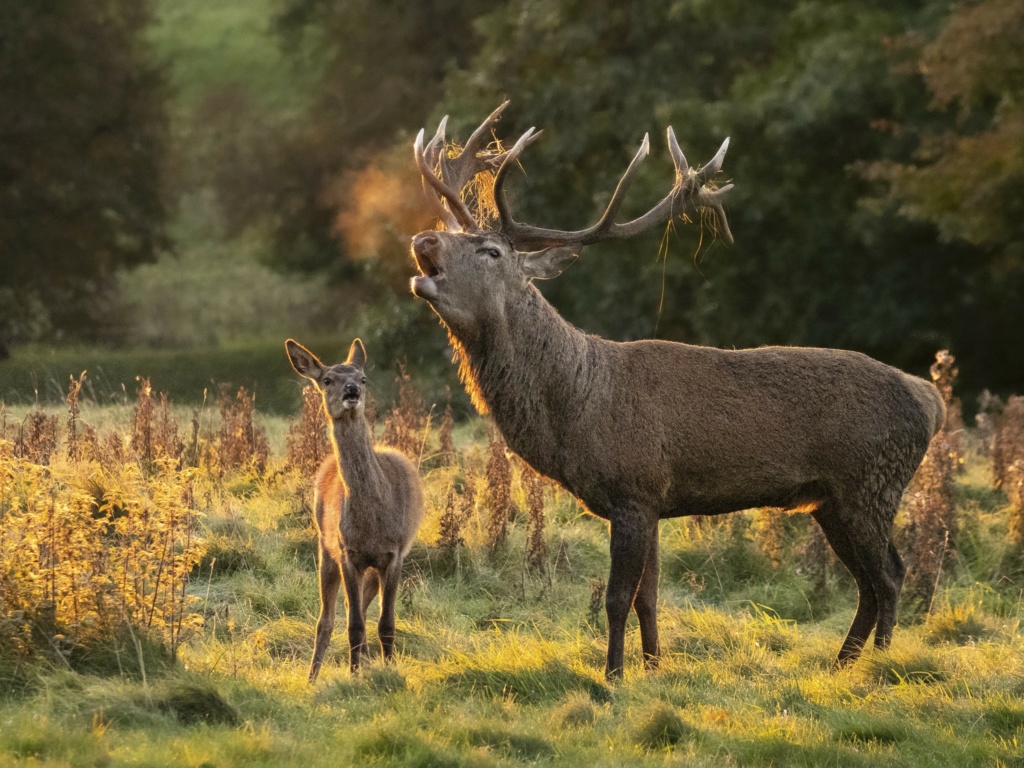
<point x="444" y="179"/>
<point x="691" y="187"/>
<point x="457" y="172"/>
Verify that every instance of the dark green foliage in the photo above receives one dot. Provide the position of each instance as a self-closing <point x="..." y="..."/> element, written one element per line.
<point x="865" y="727"/>
<point x="903" y="668"/>
<point x="401" y="747"/>
<point x="193" y="704"/>
<point x="514" y="745"/>
<point x="82" y="129"/>
<point x="527" y="686"/>
<point x="660" y="727"/>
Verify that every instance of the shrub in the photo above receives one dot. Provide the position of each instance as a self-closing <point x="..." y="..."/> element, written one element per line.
<point x="72" y="574"/>
<point x="499" y="491"/>
<point x="307" y="440"/>
<point x="931" y="533"/>
<point x="240" y="443"/>
<point x="406" y="426"/>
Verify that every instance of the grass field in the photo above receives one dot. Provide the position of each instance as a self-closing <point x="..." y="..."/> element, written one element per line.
<point x="501" y="663"/>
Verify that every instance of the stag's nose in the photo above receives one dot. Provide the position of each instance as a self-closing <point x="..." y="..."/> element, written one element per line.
<point x="426" y="243"/>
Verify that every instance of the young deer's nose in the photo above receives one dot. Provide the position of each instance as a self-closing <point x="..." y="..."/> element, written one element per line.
<point x="426" y="243"/>
<point x="352" y="389"/>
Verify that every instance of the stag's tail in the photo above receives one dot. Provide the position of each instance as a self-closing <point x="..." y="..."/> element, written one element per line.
<point x="927" y="394"/>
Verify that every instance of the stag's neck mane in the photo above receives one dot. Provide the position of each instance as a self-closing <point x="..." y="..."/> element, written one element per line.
<point x="357" y="461"/>
<point x="532" y="371"/>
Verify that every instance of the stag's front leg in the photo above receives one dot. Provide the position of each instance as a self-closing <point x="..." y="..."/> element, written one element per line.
<point x="646" y="604"/>
<point x="390" y="578"/>
<point x="356" y="619"/>
<point x="631" y="541"/>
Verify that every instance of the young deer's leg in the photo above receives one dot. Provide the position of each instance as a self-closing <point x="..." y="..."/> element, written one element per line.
<point x="842" y="543"/>
<point x="390" y="579"/>
<point x="356" y="619"/>
<point x="631" y="541"/>
<point x="646" y="604"/>
<point x="330" y="580"/>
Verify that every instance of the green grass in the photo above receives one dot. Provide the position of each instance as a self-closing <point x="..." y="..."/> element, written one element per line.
<point x="40" y="374"/>
<point x="497" y="666"/>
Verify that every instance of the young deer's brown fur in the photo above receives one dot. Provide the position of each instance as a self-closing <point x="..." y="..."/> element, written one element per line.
<point x="368" y="507"/>
<point x="647" y="430"/>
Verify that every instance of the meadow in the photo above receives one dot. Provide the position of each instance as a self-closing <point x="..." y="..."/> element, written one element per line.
<point x="157" y="568"/>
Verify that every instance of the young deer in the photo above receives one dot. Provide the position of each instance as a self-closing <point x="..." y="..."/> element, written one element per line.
<point x="368" y="507"/>
<point x="647" y="430"/>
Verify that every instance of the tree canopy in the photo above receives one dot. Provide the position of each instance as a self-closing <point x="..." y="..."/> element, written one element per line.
<point x="81" y="130"/>
<point x="876" y="151"/>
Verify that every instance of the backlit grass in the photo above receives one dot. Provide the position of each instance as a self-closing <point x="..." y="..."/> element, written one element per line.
<point x="500" y="664"/>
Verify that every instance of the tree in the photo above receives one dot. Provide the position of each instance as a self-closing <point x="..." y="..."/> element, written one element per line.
<point x="803" y="89"/>
<point x="964" y="173"/>
<point x="81" y="128"/>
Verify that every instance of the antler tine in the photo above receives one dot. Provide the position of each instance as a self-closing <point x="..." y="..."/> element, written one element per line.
<point x="608" y="218"/>
<point x="432" y="188"/>
<point x="433" y="149"/>
<point x="456" y="206"/>
<point x="714" y="165"/>
<point x="507" y="224"/>
<point x="458" y="171"/>
<point x="678" y="158"/>
<point x="712" y="198"/>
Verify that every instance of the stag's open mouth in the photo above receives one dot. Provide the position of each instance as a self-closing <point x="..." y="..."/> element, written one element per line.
<point x="426" y="265"/>
<point x="425" y="284"/>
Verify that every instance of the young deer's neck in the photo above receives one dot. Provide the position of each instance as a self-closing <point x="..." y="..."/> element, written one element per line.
<point x="532" y="371"/>
<point x="353" y="450"/>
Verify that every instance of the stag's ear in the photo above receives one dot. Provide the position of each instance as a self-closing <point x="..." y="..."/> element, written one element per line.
<point x="357" y="354"/>
<point x="551" y="262"/>
<point x="304" y="361"/>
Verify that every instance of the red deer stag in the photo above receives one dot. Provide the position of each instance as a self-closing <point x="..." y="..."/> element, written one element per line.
<point x="367" y="509"/>
<point x="646" y="430"/>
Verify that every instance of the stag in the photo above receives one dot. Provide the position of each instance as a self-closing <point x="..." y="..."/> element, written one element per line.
<point x="367" y="508"/>
<point x="646" y="430"/>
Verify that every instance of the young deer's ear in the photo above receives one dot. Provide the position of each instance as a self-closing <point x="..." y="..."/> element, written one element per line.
<point x="303" y="361"/>
<point x="551" y="262"/>
<point x="357" y="354"/>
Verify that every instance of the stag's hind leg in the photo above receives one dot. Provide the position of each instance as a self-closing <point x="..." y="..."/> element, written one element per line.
<point x="842" y="541"/>
<point x="888" y="588"/>
<point x="330" y="580"/>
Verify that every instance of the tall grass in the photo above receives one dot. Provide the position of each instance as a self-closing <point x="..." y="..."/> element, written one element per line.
<point x="128" y="551"/>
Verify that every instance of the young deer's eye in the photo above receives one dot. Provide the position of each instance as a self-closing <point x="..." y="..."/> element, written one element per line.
<point x="327" y="382"/>
<point x="363" y="380"/>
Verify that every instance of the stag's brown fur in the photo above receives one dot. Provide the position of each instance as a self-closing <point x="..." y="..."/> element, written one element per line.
<point x="647" y="430"/>
<point x="368" y="507"/>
